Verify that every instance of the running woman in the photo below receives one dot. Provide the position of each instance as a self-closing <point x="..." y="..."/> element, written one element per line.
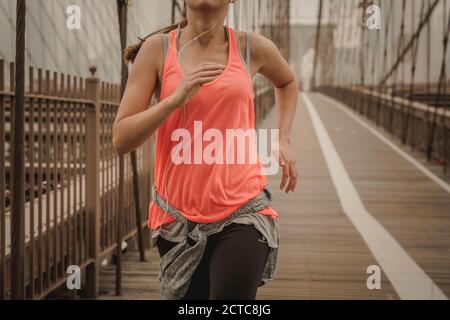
<point x="211" y="220"/>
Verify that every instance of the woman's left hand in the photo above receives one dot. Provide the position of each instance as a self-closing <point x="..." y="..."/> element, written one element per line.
<point x="287" y="163"/>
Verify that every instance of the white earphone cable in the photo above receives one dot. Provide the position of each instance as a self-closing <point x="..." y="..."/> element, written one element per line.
<point x="167" y="167"/>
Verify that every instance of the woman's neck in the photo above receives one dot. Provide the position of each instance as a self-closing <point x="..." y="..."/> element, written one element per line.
<point x="198" y="23"/>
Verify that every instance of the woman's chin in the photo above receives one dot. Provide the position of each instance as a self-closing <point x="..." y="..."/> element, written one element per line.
<point x="206" y="5"/>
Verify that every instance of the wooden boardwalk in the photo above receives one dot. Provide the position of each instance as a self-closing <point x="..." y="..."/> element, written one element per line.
<point x="325" y="250"/>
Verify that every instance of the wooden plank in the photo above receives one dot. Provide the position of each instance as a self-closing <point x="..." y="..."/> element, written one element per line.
<point x="411" y="206"/>
<point x="140" y="279"/>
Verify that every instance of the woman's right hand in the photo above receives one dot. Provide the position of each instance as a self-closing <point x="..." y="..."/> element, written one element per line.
<point x="206" y="72"/>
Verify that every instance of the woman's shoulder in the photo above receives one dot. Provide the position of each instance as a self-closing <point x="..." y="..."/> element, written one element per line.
<point x="258" y="42"/>
<point x="153" y="44"/>
<point x="255" y="38"/>
<point x="152" y="50"/>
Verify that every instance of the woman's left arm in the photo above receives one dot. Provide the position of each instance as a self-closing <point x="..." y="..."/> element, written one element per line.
<point x="267" y="60"/>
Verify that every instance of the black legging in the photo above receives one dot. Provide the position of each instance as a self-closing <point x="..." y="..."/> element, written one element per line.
<point x="231" y="266"/>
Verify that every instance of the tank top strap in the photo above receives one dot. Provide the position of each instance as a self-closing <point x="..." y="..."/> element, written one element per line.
<point x="233" y="43"/>
<point x="172" y="40"/>
<point x="236" y="54"/>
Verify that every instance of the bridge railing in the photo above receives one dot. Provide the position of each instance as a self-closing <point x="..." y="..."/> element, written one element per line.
<point x="425" y="127"/>
<point x="71" y="181"/>
<point x="389" y="60"/>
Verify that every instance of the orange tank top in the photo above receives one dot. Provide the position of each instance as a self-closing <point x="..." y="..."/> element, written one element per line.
<point x="207" y="186"/>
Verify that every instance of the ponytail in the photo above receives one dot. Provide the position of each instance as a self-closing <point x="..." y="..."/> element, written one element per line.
<point x="131" y="52"/>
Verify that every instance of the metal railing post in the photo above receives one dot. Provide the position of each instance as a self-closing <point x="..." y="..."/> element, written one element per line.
<point x="92" y="183"/>
<point x="18" y="164"/>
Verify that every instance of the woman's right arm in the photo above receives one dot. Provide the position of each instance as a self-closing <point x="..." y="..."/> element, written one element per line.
<point x="135" y="122"/>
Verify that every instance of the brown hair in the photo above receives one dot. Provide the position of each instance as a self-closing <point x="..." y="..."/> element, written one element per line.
<point x="131" y="52"/>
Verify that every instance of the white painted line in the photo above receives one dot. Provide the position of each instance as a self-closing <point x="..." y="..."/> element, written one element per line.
<point x="406" y="276"/>
<point x="444" y="185"/>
